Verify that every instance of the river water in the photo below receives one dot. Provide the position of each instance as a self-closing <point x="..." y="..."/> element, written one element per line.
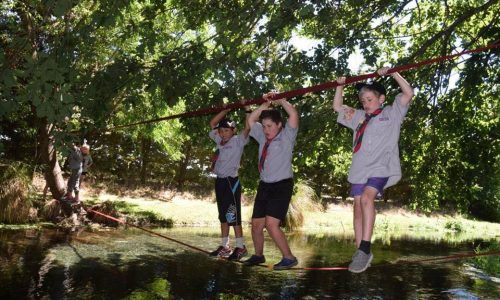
<point x="118" y="264"/>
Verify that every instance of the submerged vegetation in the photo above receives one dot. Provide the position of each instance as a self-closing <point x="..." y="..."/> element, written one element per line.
<point x="489" y="264"/>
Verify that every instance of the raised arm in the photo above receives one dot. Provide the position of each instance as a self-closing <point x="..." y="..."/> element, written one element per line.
<point x="248" y="111"/>
<point x="254" y="116"/>
<point x="293" y="115"/>
<point x="339" y="95"/>
<point x="216" y="119"/>
<point x="338" y="100"/>
<point x="403" y="84"/>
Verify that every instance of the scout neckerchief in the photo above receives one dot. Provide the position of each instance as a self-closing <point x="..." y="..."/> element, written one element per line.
<point x="216" y="153"/>
<point x="264" y="152"/>
<point x="360" y="130"/>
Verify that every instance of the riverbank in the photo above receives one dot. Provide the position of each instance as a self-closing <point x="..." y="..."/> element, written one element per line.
<point x="185" y="209"/>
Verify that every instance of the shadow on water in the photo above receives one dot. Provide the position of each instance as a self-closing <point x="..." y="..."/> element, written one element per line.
<point x="123" y="263"/>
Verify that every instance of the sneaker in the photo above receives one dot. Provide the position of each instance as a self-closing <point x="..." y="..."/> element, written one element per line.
<point x="255" y="260"/>
<point x="356" y="253"/>
<point x="221" y="252"/>
<point x="238" y="253"/>
<point x="360" y="261"/>
<point x="285" y="263"/>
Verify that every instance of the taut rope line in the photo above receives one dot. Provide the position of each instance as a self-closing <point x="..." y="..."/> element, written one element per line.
<point x="311" y="89"/>
<point x="436" y="259"/>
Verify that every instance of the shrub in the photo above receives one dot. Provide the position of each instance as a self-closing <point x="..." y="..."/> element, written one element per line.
<point x="454" y="226"/>
<point x="304" y="199"/>
<point x="15" y="189"/>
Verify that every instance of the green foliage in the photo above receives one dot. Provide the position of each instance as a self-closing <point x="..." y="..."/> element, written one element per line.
<point x="230" y="297"/>
<point x="83" y="67"/>
<point x="158" y="289"/>
<point x="489" y="264"/>
<point x="15" y="190"/>
<point x="455" y="226"/>
<point x="151" y="218"/>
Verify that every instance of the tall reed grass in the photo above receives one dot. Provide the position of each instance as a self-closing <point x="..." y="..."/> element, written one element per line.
<point x="15" y="191"/>
<point x="304" y="199"/>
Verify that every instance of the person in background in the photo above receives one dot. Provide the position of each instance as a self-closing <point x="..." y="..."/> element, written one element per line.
<point x="87" y="163"/>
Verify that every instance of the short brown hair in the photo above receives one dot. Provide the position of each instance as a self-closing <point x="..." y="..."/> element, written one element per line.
<point x="272" y="114"/>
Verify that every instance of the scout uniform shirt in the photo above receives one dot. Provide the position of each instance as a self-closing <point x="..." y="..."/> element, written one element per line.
<point x="278" y="163"/>
<point x="228" y="161"/>
<point x="87" y="162"/>
<point x="75" y="159"/>
<point x="379" y="152"/>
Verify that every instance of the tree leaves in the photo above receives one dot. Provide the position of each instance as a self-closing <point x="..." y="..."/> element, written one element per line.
<point x="87" y="65"/>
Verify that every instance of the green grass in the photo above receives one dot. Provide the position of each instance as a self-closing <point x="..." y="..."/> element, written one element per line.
<point x="489" y="264"/>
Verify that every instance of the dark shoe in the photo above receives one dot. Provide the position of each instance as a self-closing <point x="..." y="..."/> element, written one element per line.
<point x="238" y="253"/>
<point x="221" y="252"/>
<point x="285" y="263"/>
<point x="360" y="261"/>
<point x="255" y="260"/>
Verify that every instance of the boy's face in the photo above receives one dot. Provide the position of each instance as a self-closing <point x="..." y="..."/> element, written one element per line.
<point x="84" y="150"/>
<point x="370" y="101"/>
<point x="226" y="133"/>
<point x="270" y="128"/>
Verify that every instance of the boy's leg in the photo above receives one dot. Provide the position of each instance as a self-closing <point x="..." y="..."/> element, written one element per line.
<point x="238" y="231"/>
<point x="223" y="250"/>
<point x="368" y="211"/>
<point x="72" y="181"/>
<point x="357" y="220"/>
<point x="224" y="230"/>
<point x="240" y="249"/>
<point x="77" y="188"/>
<point x="278" y="236"/>
<point x="258" y="225"/>
<point x="82" y="179"/>
<point x="363" y="256"/>
<point x="236" y="193"/>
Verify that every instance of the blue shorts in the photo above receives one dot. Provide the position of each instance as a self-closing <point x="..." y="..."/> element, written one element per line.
<point x="375" y="182"/>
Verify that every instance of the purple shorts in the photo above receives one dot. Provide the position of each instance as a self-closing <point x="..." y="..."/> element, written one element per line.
<point x="375" y="182"/>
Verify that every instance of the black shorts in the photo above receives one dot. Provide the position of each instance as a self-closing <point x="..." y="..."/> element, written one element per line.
<point x="228" y="195"/>
<point x="273" y="199"/>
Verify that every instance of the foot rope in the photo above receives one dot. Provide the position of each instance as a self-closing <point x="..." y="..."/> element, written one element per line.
<point x="434" y="259"/>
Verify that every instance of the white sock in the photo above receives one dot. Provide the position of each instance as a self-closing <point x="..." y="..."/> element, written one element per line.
<point x="225" y="241"/>
<point x="240" y="242"/>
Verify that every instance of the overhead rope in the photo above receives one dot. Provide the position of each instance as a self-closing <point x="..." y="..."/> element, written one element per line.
<point x="311" y="89"/>
<point x="339" y="268"/>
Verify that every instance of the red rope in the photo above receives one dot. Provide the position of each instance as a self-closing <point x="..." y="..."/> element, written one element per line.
<point x="452" y="257"/>
<point x="434" y="259"/>
<point x="437" y="259"/>
<point x="311" y="89"/>
<point x="147" y="230"/>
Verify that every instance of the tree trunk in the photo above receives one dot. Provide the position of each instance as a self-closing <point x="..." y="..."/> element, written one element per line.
<point x="53" y="176"/>
<point x="48" y="155"/>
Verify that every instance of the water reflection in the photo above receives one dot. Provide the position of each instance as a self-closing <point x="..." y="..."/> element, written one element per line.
<point x="125" y="263"/>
